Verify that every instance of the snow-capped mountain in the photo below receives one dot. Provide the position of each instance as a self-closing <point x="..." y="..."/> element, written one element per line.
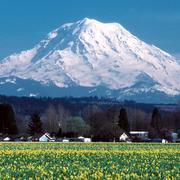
<point x="91" y="58"/>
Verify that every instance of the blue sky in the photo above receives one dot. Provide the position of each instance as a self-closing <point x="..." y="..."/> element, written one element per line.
<point x="23" y="23"/>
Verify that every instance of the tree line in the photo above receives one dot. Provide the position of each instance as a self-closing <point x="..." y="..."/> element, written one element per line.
<point x="101" y="124"/>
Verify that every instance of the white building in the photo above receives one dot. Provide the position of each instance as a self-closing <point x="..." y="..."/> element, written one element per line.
<point x="46" y="138"/>
<point x="85" y="139"/>
<point x="174" y="137"/>
<point x="79" y="139"/>
<point x="6" y="139"/>
<point x="124" y="138"/>
<point x="142" y="135"/>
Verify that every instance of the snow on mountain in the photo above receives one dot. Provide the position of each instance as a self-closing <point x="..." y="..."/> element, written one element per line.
<point x="92" y="54"/>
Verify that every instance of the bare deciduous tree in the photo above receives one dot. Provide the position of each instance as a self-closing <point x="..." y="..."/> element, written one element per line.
<point x="51" y="121"/>
<point x="63" y="116"/>
<point x="55" y="119"/>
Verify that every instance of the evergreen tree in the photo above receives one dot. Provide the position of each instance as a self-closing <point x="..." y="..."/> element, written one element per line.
<point x="156" y="120"/>
<point x="123" y="120"/>
<point x="7" y="120"/>
<point x="59" y="133"/>
<point x="35" y="125"/>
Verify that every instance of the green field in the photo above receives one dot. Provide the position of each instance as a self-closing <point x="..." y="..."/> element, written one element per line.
<point x="89" y="161"/>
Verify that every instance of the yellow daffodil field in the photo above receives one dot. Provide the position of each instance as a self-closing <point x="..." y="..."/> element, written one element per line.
<point x="89" y="161"/>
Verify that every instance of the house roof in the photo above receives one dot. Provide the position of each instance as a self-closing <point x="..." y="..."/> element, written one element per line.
<point x="138" y="132"/>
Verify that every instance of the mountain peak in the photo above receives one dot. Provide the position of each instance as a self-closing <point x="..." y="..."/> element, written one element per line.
<point x="93" y="22"/>
<point x="88" y="20"/>
<point x="88" y="53"/>
<point x="87" y="23"/>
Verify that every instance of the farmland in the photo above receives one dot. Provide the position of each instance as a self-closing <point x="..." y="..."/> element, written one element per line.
<point x="89" y="161"/>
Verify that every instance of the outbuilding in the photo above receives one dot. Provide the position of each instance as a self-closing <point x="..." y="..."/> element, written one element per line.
<point x="7" y="139"/>
<point x="139" y="135"/>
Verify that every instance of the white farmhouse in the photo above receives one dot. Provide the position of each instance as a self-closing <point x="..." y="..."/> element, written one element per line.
<point x="46" y="138"/>
<point x="124" y="138"/>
